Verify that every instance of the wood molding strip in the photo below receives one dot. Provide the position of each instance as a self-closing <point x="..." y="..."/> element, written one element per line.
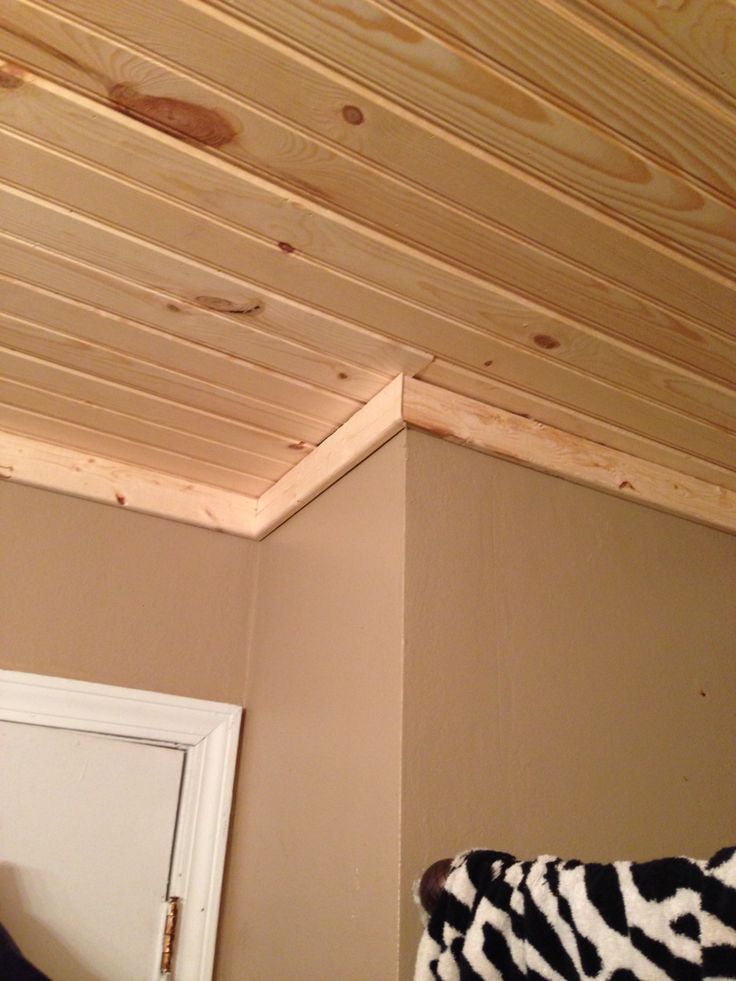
<point x="68" y="471"/>
<point x="404" y="402"/>
<point x="369" y="428"/>
<point x="512" y="437"/>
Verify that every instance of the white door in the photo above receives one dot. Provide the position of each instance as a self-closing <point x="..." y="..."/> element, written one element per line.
<point x="87" y="826"/>
<point x="111" y="801"/>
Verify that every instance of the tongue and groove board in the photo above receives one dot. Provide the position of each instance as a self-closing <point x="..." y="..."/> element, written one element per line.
<point x="228" y="227"/>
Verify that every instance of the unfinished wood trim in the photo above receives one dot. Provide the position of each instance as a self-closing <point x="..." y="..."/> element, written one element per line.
<point x="68" y="471"/>
<point x="499" y="433"/>
<point x="404" y="402"/>
<point x="369" y="428"/>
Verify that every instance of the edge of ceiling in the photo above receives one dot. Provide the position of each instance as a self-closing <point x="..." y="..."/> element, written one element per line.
<point x="404" y="403"/>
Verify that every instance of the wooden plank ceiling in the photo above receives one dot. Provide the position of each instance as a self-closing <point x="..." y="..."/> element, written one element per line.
<point x="227" y="225"/>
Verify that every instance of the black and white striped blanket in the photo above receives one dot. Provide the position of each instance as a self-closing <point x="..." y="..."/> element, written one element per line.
<point x="499" y="918"/>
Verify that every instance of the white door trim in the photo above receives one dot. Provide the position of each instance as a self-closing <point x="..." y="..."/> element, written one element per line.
<point x="207" y="731"/>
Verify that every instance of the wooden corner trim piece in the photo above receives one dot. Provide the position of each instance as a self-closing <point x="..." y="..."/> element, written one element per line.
<point x="404" y="402"/>
<point x="500" y="433"/>
<point x="370" y="427"/>
<point x="58" y="468"/>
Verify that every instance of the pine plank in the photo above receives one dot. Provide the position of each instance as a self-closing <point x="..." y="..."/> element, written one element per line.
<point x="343" y="168"/>
<point x="109" y="294"/>
<point x="527" y="327"/>
<point x="108" y="363"/>
<point x="602" y="77"/>
<point x="699" y="38"/>
<point x="441" y="336"/>
<point x="499" y="433"/>
<point x="41" y="110"/>
<point x="80" y="411"/>
<point x="78" y="384"/>
<point x="110" y="481"/>
<point x="369" y="428"/>
<point x="503" y="115"/>
<point x="25" y="423"/>
<point x="453" y="378"/>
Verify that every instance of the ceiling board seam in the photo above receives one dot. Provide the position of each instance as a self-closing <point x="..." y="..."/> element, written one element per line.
<point x="478" y="331"/>
<point x="419" y="251"/>
<point x="215" y="387"/>
<point x="107" y="411"/>
<point x="519" y="164"/>
<point x="565" y="105"/>
<point x="115" y="229"/>
<point x="654" y="51"/>
<point x="143" y="395"/>
<point x="159" y="291"/>
<point x="408" y="402"/>
<point x="172" y="336"/>
<point x="458" y="269"/>
<point x="594" y="209"/>
<point x="66" y="425"/>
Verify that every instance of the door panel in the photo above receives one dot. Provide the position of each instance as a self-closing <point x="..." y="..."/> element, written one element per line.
<point x="87" y="824"/>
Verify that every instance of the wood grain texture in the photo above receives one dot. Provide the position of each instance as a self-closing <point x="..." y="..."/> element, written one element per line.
<point x="462" y="420"/>
<point x="498" y="113"/>
<point x="51" y="176"/>
<point x="58" y="468"/>
<point x="571" y="57"/>
<point x="338" y="165"/>
<point x="228" y="226"/>
<point x="698" y="38"/>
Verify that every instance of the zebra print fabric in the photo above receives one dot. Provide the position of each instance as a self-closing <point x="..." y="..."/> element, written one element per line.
<point x="555" y="920"/>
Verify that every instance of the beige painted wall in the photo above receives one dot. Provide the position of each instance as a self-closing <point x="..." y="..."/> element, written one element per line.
<point x="97" y="593"/>
<point x="312" y="887"/>
<point x="570" y="671"/>
<point x="450" y="652"/>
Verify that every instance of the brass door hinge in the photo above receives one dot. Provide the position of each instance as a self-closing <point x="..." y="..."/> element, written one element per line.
<point x="167" y="952"/>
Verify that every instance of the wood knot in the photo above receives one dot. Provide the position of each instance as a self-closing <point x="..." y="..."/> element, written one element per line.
<point x="546" y="342"/>
<point x="186" y="120"/>
<point x="11" y="76"/>
<point x="286" y="247"/>
<point x="120" y="498"/>
<point x="353" y="115"/>
<point x="222" y="305"/>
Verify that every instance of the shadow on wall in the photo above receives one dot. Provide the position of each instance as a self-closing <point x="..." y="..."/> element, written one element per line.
<point x="43" y="948"/>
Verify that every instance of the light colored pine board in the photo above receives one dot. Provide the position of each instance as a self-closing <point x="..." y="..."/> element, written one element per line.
<point x="68" y="471"/>
<point x="441" y="336"/>
<point x="41" y="110"/>
<point x="222" y="399"/>
<point x="127" y="208"/>
<point x="511" y="437"/>
<point x="502" y="115"/>
<point x="145" y="434"/>
<point x="277" y="317"/>
<point x="83" y="399"/>
<point x="570" y="347"/>
<point x="369" y="428"/>
<point x="699" y="38"/>
<point x="22" y="422"/>
<point x="570" y="57"/>
<point x="42" y="267"/>
<point x="391" y="140"/>
<point x="165" y="358"/>
<point x="453" y="378"/>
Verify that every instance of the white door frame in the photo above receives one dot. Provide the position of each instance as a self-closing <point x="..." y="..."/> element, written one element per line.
<point x="208" y="732"/>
